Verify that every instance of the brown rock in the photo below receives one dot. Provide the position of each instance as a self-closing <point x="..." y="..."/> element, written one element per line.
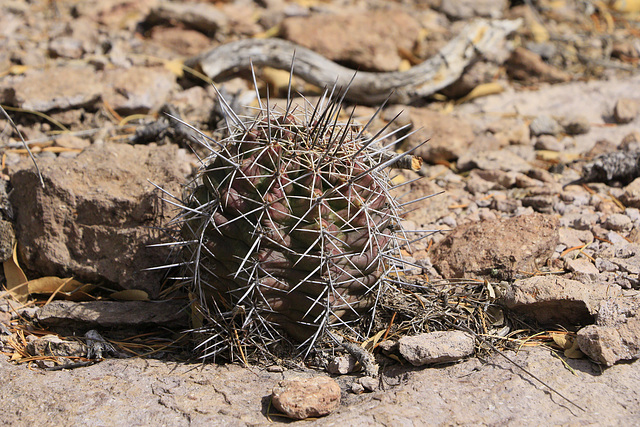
<point x="616" y="334"/>
<point x="137" y="89"/>
<point x="59" y="88"/>
<point x="449" y="137"/>
<point x="302" y="398"/>
<point x="95" y="216"/>
<point x="553" y="300"/>
<point x="631" y="195"/>
<point x="368" y="41"/>
<point x="528" y="66"/>
<point x="182" y="41"/>
<point x="625" y="111"/>
<point x="203" y="17"/>
<point x="436" y="347"/>
<point x="510" y="244"/>
<point x="108" y="314"/>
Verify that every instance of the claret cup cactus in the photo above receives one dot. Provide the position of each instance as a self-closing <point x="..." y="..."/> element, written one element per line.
<point x="289" y="230"/>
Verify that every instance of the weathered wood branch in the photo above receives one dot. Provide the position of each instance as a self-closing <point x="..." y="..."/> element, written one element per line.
<point x="418" y="82"/>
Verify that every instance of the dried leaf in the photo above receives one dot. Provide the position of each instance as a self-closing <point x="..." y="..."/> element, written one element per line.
<point x="573" y="352"/>
<point x="16" y="279"/>
<point x="539" y="32"/>
<point x="626" y="6"/>
<point x="131" y="295"/>
<point x="482" y="90"/>
<point x="371" y="342"/>
<point x="278" y="80"/>
<point x="175" y="66"/>
<point x="562" y="340"/>
<point x="51" y="284"/>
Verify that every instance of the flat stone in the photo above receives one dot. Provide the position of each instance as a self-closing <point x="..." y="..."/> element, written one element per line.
<point x="97" y="214"/>
<point x="59" y="88"/>
<point x="436" y="347"/>
<point x="544" y="125"/>
<point x="530" y="67"/>
<point x="137" y="89"/>
<point x="570" y="237"/>
<point x="504" y="160"/>
<point x="553" y="300"/>
<point x="617" y="222"/>
<point x="365" y="40"/>
<point x="449" y="137"/>
<point x="53" y="345"/>
<point x="502" y="246"/>
<point x="302" y="398"/>
<point x="108" y="314"/>
<point x="616" y="334"/>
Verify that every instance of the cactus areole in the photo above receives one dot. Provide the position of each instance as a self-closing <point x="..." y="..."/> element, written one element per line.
<point x="289" y="230"/>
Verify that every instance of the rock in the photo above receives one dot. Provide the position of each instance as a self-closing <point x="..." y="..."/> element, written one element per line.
<point x="449" y="137"/>
<point x="551" y="300"/>
<point x="506" y="245"/>
<point x="549" y="143"/>
<point x="137" y="89"/>
<point x="52" y="345"/>
<point x="7" y="240"/>
<point x="616" y="334"/>
<point x="109" y="314"/>
<point x="357" y="388"/>
<point x="203" y="17"/>
<point x="582" y="267"/>
<point x="466" y="9"/>
<point x="436" y="347"/>
<point x="96" y="215"/>
<point x="365" y="40"/>
<point x="59" y="88"/>
<point x="540" y="203"/>
<point x="369" y="383"/>
<point x="576" y="125"/>
<point x="182" y="41"/>
<point x="489" y="160"/>
<point x="341" y="365"/>
<point x="302" y="398"/>
<point x="530" y="67"/>
<point x="631" y="195"/>
<point x="631" y="142"/>
<point x="617" y="222"/>
<point x="625" y="111"/>
<point x="66" y="47"/>
<point x="572" y="238"/>
<point x="544" y="125"/>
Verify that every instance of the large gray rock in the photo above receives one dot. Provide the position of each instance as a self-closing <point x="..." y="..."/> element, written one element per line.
<point x="551" y="300"/>
<point x="616" y="334"/>
<point x="96" y="215"/>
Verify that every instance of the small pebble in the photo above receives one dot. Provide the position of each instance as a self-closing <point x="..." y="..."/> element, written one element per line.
<point x="617" y="222"/>
<point x="625" y="111"/>
<point x="544" y="125"/>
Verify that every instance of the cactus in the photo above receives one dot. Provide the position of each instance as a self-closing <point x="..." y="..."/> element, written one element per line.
<point x="290" y="230"/>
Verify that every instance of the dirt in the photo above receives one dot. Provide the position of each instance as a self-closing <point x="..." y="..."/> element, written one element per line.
<point x="84" y="80"/>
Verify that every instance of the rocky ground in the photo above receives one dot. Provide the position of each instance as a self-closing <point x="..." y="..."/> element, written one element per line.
<point x="536" y="150"/>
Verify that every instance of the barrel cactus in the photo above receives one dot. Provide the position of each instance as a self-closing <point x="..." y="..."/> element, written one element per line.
<point x="289" y="230"/>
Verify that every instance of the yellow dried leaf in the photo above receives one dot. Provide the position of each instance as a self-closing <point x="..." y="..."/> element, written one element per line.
<point x="271" y="32"/>
<point x="51" y="284"/>
<point x="562" y="340"/>
<point x="626" y="6"/>
<point x="485" y="89"/>
<point x="131" y="295"/>
<point x="18" y="69"/>
<point x="175" y="66"/>
<point x="16" y="279"/>
<point x="405" y="65"/>
<point x="278" y="80"/>
<point x="539" y="32"/>
<point x="574" y="352"/>
<point x="371" y="342"/>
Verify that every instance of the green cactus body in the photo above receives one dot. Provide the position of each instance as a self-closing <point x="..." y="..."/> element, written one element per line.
<point x="289" y="227"/>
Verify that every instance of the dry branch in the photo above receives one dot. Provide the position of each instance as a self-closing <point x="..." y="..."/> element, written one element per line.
<point x="418" y="82"/>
